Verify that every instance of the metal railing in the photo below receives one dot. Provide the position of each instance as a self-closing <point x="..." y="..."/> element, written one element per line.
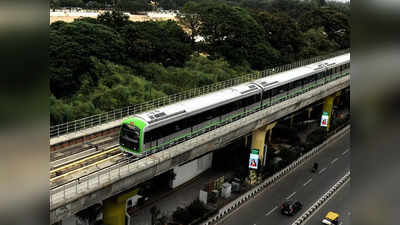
<point x="95" y="120"/>
<point x="98" y="179"/>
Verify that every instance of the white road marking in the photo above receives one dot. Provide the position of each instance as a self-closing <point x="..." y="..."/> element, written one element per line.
<point x="307" y="182"/>
<point x="291" y="195"/>
<point x="334" y="160"/>
<point x="267" y="214"/>
<point x="321" y="171"/>
<point x="344" y="153"/>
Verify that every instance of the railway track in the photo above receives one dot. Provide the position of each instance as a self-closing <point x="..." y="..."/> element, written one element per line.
<point x="68" y="168"/>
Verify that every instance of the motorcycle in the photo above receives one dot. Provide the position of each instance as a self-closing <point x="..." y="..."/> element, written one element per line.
<point x="315" y="168"/>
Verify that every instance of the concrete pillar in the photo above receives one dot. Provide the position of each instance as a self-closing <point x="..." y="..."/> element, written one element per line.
<point x="258" y="139"/>
<point x="327" y="107"/>
<point x="114" y="208"/>
<point x="291" y="121"/>
<point x="309" y="112"/>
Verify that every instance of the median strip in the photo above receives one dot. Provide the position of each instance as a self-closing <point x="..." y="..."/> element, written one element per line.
<point x="307" y="182"/>
<point x="291" y="195"/>
<point x="333" y="161"/>
<point x="271" y="211"/>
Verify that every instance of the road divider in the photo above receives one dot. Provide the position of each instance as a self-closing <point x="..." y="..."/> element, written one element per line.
<point x="238" y="202"/>
<point x="271" y="211"/>
<point x="290" y="195"/>
<point x="307" y="182"/>
<point x="322" y="170"/>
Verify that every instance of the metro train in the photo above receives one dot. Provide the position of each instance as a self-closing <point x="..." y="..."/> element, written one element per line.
<point x="166" y="126"/>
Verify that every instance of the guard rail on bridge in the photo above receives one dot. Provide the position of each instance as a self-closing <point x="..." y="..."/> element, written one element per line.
<point x="91" y="121"/>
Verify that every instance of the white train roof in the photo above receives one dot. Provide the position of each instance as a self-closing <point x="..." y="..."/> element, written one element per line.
<point x="197" y="104"/>
<point x="185" y="108"/>
<point x="300" y="72"/>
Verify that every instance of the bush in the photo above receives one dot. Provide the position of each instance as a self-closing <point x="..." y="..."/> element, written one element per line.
<point x="316" y="137"/>
<point x="195" y="210"/>
<point x="182" y="215"/>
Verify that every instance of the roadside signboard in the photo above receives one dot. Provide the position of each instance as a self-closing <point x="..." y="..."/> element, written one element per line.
<point x="324" y="119"/>
<point x="253" y="161"/>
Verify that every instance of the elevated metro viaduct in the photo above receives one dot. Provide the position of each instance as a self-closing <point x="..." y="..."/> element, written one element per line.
<point x="68" y="200"/>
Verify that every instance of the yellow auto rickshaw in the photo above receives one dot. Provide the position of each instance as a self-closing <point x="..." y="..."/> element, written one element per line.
<point x="331" y="218"/>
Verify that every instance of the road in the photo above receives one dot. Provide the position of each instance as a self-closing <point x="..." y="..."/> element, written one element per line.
<point x="301" y="185"/>
<point x="339" y="203"/>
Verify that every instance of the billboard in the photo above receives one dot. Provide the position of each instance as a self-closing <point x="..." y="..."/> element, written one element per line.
<point x="324" y="119"/>
<point x="253" y="161"/>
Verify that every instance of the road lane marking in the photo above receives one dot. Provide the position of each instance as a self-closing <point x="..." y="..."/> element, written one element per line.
<point x="307" y="182"/>
<point x="267" y="214"/>
<point x="344" y="153"/>
<point x="291" y="195"/>
<point x="322" y="170"/>
<point x="334" y="160"/>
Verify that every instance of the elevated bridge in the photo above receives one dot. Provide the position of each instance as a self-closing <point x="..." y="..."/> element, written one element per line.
<point x="70" y="198"/>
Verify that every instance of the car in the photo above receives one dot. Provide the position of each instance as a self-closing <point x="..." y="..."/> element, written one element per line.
<point x="290" y="208"/>
<point x="331" y="218"/>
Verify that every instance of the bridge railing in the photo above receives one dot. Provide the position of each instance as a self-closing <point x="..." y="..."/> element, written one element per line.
<point x="95" y="120"/>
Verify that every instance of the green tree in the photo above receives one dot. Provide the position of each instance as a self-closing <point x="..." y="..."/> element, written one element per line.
<point x="72" y="45"/>
<point x="335" y="24"/>
<point x="283" y="33"/>
<point x="115" y="19"/>
<point x="60" y="112"/>
<point x="133" y="5"/>
<point x="231" y="32"/>
<point x="162" y="42"/>
<point x="317" y="43"/>
<point x="189" y="18"/>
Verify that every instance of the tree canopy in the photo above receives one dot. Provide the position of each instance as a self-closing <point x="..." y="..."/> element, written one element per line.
<point x="97" y="65"/>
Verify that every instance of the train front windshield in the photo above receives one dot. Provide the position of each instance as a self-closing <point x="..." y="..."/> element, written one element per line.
<point x="129" y="137"/>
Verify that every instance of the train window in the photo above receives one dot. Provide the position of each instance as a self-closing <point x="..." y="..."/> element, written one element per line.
<point x="266" y="94"/>
<point x="274" y="92"/>
<point x="298" y="83"/>
<point x="281" y="89"/>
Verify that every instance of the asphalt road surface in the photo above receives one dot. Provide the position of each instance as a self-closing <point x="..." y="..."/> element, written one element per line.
<point x="339" y="203"/>
<point x="301" y="185"/>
